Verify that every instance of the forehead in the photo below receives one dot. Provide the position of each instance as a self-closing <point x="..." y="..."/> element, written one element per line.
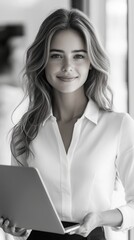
<point x="68" y="40"/>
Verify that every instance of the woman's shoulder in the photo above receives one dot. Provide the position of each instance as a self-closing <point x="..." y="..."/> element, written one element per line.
<point x="121" y="118"/>
<point x="116" y="114"/>
<point x="109" y="116"/>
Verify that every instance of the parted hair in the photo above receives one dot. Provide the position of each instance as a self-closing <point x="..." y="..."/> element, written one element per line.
<point x="39" y="90"/>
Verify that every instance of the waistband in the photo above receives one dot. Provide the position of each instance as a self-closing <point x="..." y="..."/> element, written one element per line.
<point x="96" y="234"/>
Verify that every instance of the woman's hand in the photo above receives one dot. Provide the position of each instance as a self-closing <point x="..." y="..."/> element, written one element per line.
<point x="90" y="222"/>
<point x="15" y="231"/>
<point x="113" y="218"/>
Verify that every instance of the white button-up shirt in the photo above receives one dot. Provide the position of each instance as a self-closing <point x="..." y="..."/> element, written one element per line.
<point x="82" y="180"/>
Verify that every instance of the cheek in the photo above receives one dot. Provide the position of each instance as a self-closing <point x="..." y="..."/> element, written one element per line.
<point x="51" y="69"/>
<point x="48" y="68"/>
<point x="48" y="71"/>
<point x="84" y="71"/>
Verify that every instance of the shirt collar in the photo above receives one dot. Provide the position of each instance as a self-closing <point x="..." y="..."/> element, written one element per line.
<point x="50" y="114"/>
<point x="91" y="112"/>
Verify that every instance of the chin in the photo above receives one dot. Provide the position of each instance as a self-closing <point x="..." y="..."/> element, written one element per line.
<point x="68" y="91"/>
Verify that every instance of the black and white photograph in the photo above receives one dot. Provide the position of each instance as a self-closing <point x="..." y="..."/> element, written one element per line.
<point x="66" y="120"/>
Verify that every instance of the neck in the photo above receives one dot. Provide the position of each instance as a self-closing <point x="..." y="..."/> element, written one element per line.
<point x="67" y="106"/>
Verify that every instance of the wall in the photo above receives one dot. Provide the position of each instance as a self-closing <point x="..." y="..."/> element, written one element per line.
<point x="31" y="16"/>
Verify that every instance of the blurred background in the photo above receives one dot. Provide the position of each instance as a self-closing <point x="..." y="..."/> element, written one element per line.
<point x="19" y="23"/>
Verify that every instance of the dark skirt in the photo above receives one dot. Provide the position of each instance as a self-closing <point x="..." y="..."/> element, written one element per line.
<point x="96" y="234"/>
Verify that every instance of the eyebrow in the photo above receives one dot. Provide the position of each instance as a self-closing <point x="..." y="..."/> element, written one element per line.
<point x="74" y="51"/>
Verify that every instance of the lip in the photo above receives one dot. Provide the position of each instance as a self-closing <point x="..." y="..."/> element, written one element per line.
<point x="66" y="79"/>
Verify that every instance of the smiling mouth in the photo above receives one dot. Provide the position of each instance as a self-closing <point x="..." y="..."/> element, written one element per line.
<point x="67" y="79"/>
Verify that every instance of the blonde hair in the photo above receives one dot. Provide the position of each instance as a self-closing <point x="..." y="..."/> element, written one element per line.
<point x="39" y="90"/>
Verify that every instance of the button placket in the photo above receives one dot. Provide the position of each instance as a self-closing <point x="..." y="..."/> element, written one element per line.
<point x="64" y="175"/>
<point x="65" y="165"/>
<point x="75" y="139"/>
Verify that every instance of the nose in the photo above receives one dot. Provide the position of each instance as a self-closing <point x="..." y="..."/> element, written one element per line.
<point x="67" y="65"/>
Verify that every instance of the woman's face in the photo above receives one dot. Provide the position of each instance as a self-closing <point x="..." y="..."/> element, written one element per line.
<point x="68" y="64"/>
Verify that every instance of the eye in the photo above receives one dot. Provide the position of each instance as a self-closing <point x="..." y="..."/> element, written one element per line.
<point x="56" y="56"/>
<point x="79" y="56"/>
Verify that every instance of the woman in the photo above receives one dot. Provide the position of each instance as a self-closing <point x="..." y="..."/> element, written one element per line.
<point x="70" y="132"/>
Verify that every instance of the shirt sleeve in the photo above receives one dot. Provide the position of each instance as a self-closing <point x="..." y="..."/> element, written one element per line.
<point x="125" y="168"/>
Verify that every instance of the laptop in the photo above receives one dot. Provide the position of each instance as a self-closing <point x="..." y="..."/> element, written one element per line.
<point x="25" y="201"/>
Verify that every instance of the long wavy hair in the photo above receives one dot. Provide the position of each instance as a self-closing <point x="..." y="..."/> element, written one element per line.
<point x="38" y="89"/>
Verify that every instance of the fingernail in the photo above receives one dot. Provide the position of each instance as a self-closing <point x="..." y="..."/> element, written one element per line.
<point x="6" y="223"/>
<point x="71" y="233"/>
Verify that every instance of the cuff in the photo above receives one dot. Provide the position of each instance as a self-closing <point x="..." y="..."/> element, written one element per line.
<point x="128" y="218"/>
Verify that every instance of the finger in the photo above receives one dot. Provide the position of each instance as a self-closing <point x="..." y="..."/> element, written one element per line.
<point x="83" y="231"/>
<point x="72" y="232"/>
<point x="1" y="221"/>
<point x="13" y="230"/>
<point x="18" y="231"/>
<point x="5" y="225"/>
